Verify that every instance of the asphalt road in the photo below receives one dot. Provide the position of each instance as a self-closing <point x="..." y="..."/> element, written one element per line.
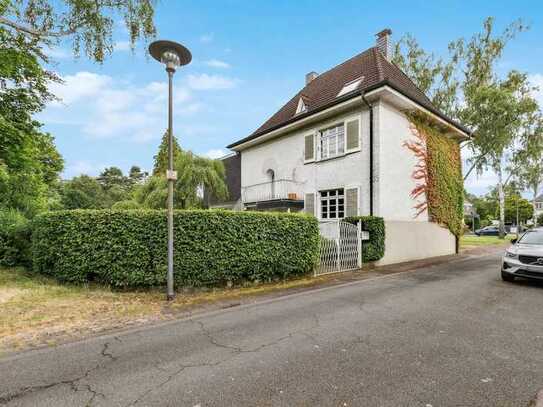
<point x="447" y="335"/>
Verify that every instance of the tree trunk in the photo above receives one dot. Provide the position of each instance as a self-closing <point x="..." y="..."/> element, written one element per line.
<point x="501" y="200"/>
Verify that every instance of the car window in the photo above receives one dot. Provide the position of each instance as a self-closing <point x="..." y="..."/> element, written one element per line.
<point x="532" y="237"/>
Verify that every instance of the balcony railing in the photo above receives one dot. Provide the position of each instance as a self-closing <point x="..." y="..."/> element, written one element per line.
<point x="269" y="191"/>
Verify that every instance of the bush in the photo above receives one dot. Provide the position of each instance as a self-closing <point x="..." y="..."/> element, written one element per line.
<point x="128" y="248"/>
<point x="14" y="238"/>
<point x="374" y="249"/>
<point x="128" y="204"/>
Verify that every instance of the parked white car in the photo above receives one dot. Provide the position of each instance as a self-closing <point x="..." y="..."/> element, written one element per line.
<point x="524" y="258"/>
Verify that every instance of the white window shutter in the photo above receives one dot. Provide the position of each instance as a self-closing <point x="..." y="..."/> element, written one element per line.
<point x="309" y="204"/>
<point x="353" y="135"/>
<point x="351" y="202"/>
<point x="309" y="149"/>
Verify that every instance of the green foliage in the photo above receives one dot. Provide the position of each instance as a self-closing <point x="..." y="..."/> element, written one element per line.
<point x="14" y="238"/>
<point x="83" y="192"/>
<point x="525" y="209"/>
<point x="374" y="249"/>
<point x="128" y="204"/>
<point x="161" y="158"/>
<point x="128" y="248"/>
<point x="540" y="220"/>
<point x="194" y="174"/>
<point x="444" y="185"/>
<point x="88" y="25"/>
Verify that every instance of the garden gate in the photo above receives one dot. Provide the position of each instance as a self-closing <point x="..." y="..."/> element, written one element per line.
<point x="340" y="248"/>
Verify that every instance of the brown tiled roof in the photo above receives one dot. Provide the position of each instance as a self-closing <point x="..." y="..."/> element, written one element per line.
<point x="322" y="91"/>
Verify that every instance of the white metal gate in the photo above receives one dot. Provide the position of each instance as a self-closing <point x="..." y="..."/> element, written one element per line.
<point x="341" y="247"/>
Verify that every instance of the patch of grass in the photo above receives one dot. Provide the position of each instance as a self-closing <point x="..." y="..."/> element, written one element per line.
<point x="468" y="241"/>
<point x="38" y="310"/>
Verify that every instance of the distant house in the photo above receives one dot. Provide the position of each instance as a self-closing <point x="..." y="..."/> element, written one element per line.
<point x="539" y="206"/>
<point x="337" y="149"/>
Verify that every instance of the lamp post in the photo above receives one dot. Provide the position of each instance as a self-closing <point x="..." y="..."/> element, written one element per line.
<point x="172" y="55"/>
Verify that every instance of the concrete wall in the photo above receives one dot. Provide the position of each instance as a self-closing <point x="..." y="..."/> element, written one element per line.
<point x="394" y="165"/>
<point x="406" y="241"/>
<point x="285" y="156"/>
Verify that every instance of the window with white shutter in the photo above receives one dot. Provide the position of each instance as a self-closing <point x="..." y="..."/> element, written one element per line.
<point x="353" y="135"/>
<point x="309" y="204"/>
<point x="309" y="149"/>
<point x="351" y="201"/>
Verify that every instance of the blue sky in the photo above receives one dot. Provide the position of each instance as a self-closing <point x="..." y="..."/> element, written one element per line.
<point x="248" y="59"/>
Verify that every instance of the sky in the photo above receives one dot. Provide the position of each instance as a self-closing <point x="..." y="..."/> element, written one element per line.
<point x="249" y="58"/>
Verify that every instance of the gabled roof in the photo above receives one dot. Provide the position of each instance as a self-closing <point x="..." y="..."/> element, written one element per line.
<point x="322" y="92"/>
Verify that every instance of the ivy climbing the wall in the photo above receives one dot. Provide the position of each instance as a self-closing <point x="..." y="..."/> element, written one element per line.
<point x="438" y="173"/>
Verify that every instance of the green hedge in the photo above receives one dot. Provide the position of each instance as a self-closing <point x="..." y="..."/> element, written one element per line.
<point x="374" y="249"/>
<point x="14" y="238"/>
<point x="128" y="247"/>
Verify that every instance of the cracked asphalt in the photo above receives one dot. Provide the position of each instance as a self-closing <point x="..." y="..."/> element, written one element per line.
<point x="446" y="335"/>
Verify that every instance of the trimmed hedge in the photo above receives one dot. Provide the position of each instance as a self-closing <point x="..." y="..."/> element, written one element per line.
<point x="374" y="249"/>
<point x="128" y="247"/>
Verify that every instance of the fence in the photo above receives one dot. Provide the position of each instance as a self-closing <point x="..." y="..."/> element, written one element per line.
<point x="341" y="247"/>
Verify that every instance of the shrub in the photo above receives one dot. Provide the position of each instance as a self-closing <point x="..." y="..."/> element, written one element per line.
<point x="374" y="249"/>
<point x="14" y="238"/>
<point x="128" y="204"/>
<point x="128" y="248"/>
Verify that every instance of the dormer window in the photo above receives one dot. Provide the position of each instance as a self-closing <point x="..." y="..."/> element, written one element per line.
<point x="350" y="86"/>
<point x="302" y="108"/>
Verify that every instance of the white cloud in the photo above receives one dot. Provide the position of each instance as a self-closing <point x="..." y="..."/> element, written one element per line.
<point x="215" y="153"/>
<point x="216" y="63"/>
<point x="100" y="106"/>
<point x="207" y="38"/>
<point x="82" y="167"/>
<point x="81" y="85"/>
<point x="537" y="80"/>
<point x="209" y="82"/>
<point x="121" y="46"/>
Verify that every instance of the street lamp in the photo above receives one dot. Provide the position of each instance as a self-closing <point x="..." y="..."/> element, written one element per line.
<point x="172" y="55"/>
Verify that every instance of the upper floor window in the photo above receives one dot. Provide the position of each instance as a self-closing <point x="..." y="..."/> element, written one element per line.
<point x="332" y="141"/>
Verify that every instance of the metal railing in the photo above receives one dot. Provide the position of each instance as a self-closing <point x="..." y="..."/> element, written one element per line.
<point x="269" y="191"/>
<point x="340" y="247"/>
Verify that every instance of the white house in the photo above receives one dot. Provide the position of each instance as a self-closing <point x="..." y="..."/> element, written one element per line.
<point x="336" y="149"/>
<point x="538" y="206"/>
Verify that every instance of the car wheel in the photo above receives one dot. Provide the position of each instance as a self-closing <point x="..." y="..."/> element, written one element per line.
<point x="507" y="277"/>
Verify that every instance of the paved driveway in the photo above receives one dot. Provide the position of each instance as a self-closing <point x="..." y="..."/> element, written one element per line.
<point x="447" y="335"/>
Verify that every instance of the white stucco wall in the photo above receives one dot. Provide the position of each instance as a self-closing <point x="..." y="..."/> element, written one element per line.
<point x="394" y="165"/>
<point x="285" y="156"/>
<point x="407" y="241"/>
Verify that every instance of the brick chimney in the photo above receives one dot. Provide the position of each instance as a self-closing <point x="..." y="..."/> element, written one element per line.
<point x="310" y="76"/>
<point x="384" y="44"/>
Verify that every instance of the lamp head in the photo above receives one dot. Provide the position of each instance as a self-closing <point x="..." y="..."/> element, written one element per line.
<point x="170" y="54"/>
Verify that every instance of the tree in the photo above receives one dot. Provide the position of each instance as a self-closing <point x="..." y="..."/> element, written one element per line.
<point x="83" y="192"/>
<point x="499" y="109"/>
<point x="194" y="173"/>
<point x="161" y="158"/>
<point x="516" y="202"/>
<point x="136" y="175"/>
<point x="88" y="25"/>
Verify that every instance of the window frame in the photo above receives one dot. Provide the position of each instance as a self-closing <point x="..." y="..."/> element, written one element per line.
<point x="325" y="202"/>
<point x="317" y="138"/>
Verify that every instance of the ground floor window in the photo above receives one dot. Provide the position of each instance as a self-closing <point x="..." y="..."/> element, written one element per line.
<point x="332" y="204"/>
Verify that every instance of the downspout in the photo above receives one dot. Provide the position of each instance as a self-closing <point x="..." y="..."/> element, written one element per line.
<point x="370" y="107"/>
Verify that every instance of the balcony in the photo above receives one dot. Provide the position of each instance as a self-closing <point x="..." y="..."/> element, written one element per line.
<point x="278" y="190"/>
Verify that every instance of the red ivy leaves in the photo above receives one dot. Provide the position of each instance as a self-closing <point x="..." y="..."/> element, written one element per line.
<point x="420" y="173"/>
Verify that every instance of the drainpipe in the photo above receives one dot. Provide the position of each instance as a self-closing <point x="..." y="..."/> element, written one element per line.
<point x="370" y="107"/>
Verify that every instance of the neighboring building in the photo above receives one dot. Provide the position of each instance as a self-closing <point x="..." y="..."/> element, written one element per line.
<point x="232" y="168"/>
<point x="336" y="149"/>
<point x="538" y="206"/>
<point x="469" y="209"/>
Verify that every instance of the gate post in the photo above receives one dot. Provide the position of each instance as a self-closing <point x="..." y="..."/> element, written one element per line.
<point x="359" y="242"/>
<point x="338" y="242"/>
